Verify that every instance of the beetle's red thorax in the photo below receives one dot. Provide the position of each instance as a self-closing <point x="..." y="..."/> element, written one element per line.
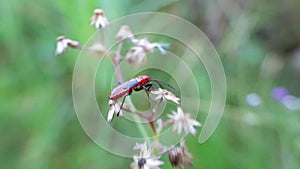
<point x="143" y="79"/>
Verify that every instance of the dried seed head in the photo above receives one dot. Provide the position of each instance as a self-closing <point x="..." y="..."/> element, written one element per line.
<point x="175" y="157"/>
<point x="180" y="156"/>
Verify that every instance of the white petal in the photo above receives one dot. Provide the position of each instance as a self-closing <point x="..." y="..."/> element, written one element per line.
<point x="156" y="92"/>
<point x="159" y="97"/>
<point x="73" y="43"/>
<point x="138" y="146"/>
<point x="134" y="165"/>
<point x="180" y="111"/>
<point x="135" y="41"/>
<point x="170" y="116"/>
<point x="117" y="107"/>
<point x="110" y="114"/>
<point x="162" y="50"/>
<point x="154" y="163"/>
<point x="101" y="22"/>
<point x="59" y="50"/>
<point x="174" y="127"/>
<point x="179" y="127"/>
<point x="146" y="167"/>
<point x="160" y="125"/>
<point x="97" y="25"/>
<point x="196" y="123"/>
<point x="162" y="47"/>
<point x="135" y="158"/>
<point x="186" y="126"/>
<point x="193" y="131"/>
<point x="120" y="113"/>
<point x="144" y="151"/>
<point x="172" y="98"/>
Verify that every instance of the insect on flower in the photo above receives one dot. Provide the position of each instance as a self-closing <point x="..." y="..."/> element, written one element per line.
<point x="138" y="83"/>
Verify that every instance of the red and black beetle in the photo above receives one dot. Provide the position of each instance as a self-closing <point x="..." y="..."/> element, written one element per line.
<point x="138" y="83"/>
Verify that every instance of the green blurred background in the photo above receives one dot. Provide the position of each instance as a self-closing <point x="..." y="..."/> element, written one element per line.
<point x="258" y="42"/>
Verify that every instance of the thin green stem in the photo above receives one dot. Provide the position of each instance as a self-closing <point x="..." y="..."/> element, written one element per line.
<point x="118" y="71"/>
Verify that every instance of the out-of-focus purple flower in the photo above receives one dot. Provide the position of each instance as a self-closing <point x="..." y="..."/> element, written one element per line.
<point x="279" y="93"/>
<point x="291" y="102"/>
<point x="253" y="99"/>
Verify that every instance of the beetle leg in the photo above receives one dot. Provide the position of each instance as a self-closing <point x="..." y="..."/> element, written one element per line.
<point x="147" y="92"/>
<point x="129" y="93"/>
<point x="147" y="88"/>
<point x="139" y="88"/>
<point x="122" y="104"/>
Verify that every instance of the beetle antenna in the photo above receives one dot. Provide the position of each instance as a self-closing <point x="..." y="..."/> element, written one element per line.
<point x="159" y="82"/>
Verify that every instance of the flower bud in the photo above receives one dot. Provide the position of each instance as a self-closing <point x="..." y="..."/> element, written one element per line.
<point x="124" y="33"/>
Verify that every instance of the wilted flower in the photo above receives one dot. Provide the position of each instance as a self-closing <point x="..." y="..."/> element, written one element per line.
<point x="178" y="156"/>
<point x="136" y="56"/>
<point x="98" y="19"/>
<point x="253" y="99"/>
<point x="183" y="120"/>
<point x="124" y="33"/>
<point x="165" y="94"/>
<point x="175" y="157"/>
<point x="145" y="160"/>
<point x="114" y="109"/>
<point x="185" y="149"/>
<point x="63" y="43"/>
